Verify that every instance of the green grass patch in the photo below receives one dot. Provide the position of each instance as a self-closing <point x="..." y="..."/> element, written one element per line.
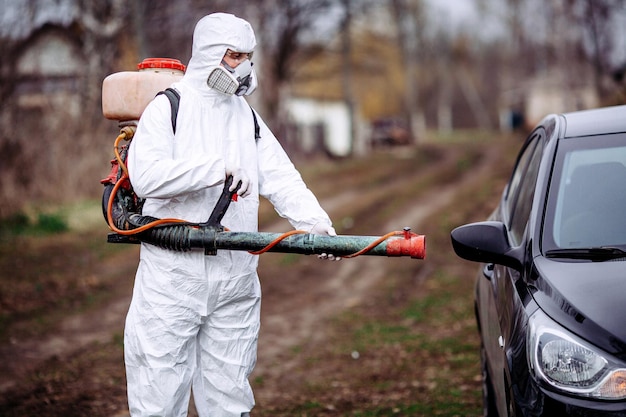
<point x="42" y="224"/>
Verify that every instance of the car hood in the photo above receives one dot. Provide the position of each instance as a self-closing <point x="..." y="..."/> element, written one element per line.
<point x="585" y="297"/>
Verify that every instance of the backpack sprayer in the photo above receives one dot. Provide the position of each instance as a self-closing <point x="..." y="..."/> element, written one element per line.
<point x="124" y="97"/>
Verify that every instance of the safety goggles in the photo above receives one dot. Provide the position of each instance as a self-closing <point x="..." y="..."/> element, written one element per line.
<point x="239" y="56"/>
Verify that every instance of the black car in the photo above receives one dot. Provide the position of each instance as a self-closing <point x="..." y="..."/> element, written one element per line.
<point x="551" y="295"/>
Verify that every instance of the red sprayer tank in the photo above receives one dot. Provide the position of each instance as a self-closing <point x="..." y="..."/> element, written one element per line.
<point x="126" y="94"/>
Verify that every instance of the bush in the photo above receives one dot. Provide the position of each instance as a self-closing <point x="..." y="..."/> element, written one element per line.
<point x="14" y="224"/>
<point x="20" y="223"/>
<point x="50" y="224"/>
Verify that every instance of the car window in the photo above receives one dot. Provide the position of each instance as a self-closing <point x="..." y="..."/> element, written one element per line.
<point x="516" y="176"/>
<point x="521" y="188"/>
<point x="586" y="207"/>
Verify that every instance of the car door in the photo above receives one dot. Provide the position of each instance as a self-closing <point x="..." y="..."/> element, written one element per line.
<point x="497" y="285"/>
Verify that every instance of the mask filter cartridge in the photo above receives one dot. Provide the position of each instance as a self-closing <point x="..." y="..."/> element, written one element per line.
<point x="230" y="80"/>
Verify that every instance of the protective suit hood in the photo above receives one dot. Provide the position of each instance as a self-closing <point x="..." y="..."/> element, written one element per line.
<point x="213" y="36"/>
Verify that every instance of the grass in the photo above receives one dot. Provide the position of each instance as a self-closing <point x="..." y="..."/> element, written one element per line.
<point x="44" y="224"/>
<point x="49" y="269"/>
<point x="420" y="357"/>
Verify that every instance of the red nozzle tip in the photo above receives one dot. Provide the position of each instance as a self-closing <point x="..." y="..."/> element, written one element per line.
<point x="413" y="246"/>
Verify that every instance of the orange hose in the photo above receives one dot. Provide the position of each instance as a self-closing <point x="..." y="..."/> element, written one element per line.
<point x="276" y="241"/>
<point x="373" y="244"/>
<point x="127" y="134"/>
<point x="139" y="229"/>
<point x="117" y="153"/>
<point x="353" y="255"/>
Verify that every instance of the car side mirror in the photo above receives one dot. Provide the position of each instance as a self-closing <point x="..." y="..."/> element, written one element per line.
<point x="486" y="242"/>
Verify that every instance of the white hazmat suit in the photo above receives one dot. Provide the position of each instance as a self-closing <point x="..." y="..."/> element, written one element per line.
<point x="194" y="319"/>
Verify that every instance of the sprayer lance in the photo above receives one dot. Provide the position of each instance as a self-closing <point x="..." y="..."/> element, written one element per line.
<point x="184" y="238"/>
<point x="212" y="236"/>
<point x="308" y="244"/>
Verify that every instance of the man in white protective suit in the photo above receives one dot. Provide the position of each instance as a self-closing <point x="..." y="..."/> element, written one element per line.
<point x="194" y="319"/>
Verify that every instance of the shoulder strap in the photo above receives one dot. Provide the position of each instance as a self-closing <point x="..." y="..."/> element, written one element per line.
<point x="257" y="129"/>
<point x="174" y="98"/>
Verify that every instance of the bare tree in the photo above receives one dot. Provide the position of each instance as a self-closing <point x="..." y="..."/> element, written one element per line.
<point x="597" y="40"/>
<point x="287" y="31"/>
<point x="409" y="18"/>
<point x="347" y="70"/>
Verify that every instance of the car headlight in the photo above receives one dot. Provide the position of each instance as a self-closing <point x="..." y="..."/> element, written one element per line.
<point x="570" y="364"/>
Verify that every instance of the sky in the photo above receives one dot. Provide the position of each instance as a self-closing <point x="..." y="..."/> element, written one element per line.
<point x="457" y="14"/>
<point x="456" y="11"/>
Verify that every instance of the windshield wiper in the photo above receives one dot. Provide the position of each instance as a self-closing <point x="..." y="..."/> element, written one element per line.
<point x="600" y="253"/>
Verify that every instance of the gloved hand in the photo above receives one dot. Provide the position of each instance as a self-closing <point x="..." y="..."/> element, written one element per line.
<point x="239" y="175"/>
<point x="325" y="229"/>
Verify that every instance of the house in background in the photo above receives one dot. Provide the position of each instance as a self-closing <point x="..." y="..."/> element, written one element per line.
<point x="56" y="55"/>
<point x="552" y="93"/>
<point x="322" y="125"/>
<point x="546" y="93"/>
<point x="49" y="75"/>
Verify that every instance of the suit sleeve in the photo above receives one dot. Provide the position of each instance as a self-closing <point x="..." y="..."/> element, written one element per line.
<point x="283" y="186"/>
<point x="153" y="170"/>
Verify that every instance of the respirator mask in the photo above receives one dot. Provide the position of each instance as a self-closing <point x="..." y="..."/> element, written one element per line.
<point x="228" y="80"/>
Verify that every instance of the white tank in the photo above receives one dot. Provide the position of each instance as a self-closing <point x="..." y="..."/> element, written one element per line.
<point x="126" y="94"/>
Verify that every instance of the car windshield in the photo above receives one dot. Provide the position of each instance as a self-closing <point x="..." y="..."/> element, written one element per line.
<point x="587" y="198"/>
